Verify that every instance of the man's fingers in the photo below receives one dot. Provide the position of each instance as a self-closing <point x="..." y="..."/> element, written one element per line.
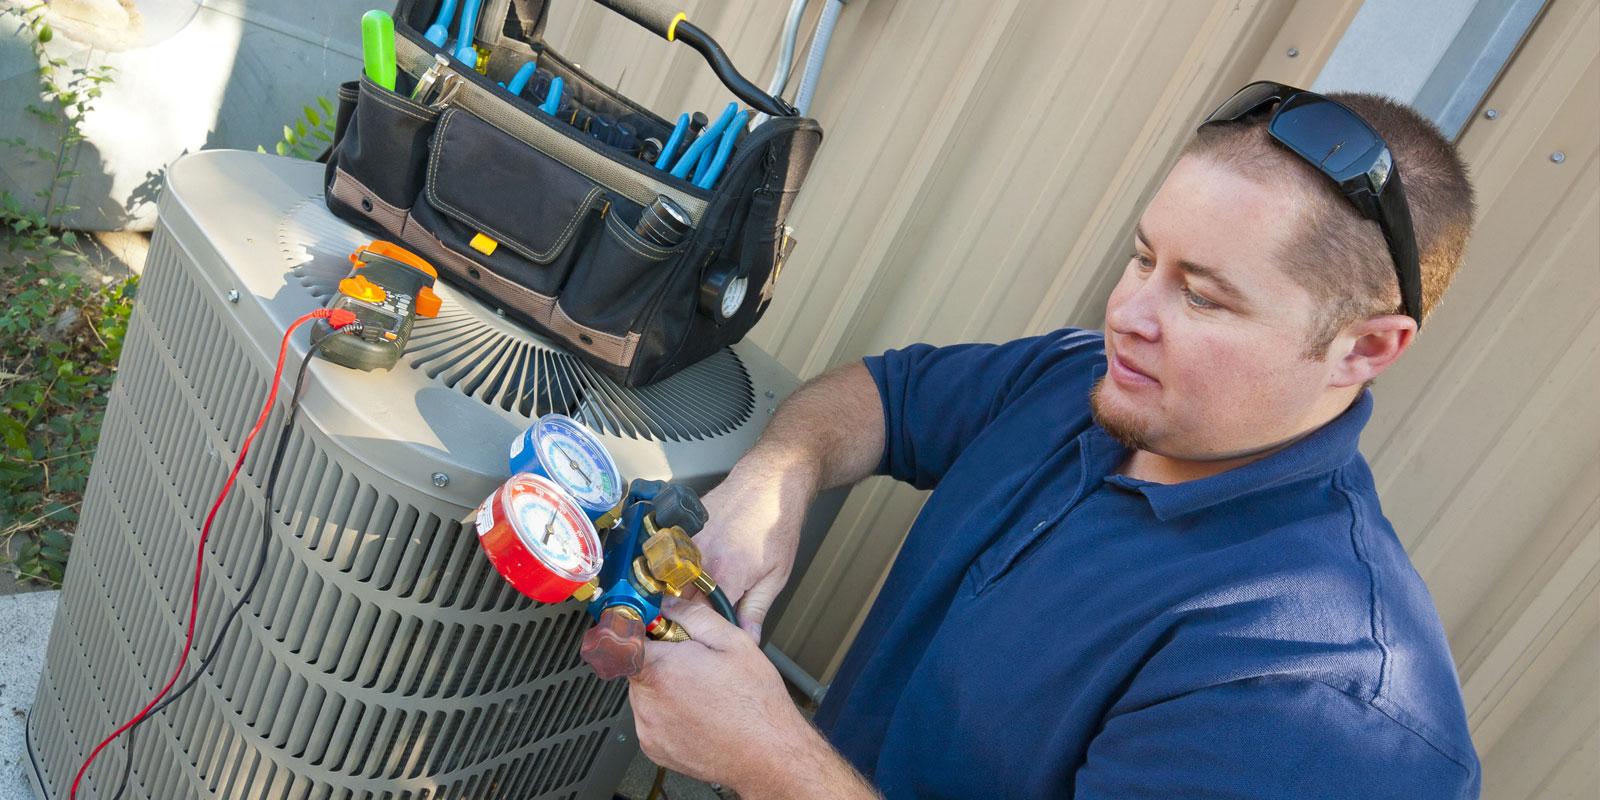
<point x="704" y="625"/>
<point x="753" y="607"/>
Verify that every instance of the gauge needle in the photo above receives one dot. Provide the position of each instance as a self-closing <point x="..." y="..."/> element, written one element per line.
<point x="578" y="468"/>
<point x="549" y="528"/>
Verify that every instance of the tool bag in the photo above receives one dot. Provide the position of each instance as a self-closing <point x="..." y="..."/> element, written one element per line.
<point x="536" y="215"/>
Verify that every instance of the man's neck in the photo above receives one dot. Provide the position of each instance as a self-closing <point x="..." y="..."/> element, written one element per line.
<point x="1156" y="468"/>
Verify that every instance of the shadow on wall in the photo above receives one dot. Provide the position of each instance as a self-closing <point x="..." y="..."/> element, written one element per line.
<point x="190" y="75"/>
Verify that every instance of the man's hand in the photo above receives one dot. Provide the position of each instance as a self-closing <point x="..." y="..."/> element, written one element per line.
<point x="828" y="433"/>
<point x="715" y="709"/>
<point x="751" y="535"/>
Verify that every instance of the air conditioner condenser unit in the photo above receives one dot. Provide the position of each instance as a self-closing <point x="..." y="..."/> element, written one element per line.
<point x="381" y="656"/>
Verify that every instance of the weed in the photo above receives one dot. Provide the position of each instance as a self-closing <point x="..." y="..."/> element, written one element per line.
<point x="59" y="336"/>
<point x="308" y="136"/>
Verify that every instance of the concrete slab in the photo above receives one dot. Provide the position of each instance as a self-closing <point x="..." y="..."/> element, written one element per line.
<point x="26" y="620"/>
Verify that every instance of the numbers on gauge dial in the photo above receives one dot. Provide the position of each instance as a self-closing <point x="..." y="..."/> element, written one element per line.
<point x="557" y="541"/>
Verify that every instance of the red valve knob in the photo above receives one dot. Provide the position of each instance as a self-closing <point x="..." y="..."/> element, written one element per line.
<point x="615" y="645"/>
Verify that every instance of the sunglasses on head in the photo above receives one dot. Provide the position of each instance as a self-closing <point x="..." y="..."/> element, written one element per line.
<point x="1345" y="148"/>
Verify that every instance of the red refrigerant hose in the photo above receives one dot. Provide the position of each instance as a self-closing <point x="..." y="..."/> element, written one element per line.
<point x="336" y="320"/>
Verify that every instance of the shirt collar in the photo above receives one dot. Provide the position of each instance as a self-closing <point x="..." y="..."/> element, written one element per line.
<point x="1323" y="450"/>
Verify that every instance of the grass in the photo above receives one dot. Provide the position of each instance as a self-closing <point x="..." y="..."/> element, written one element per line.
<point x="60" y="337"/>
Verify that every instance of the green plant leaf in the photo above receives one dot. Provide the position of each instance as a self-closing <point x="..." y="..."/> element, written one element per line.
<point x="312" y="115"/>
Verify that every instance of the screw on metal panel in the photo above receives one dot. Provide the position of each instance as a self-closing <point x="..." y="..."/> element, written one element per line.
<point x="1293" y="52"/>
<point x="1558" y="157"/>
<point x="440" y="479"/>
<point x="771" y="394"/>
<point x="771" y="411"/>
<point x="622" y="737"/>
<point x="233" y="295"/>
<point x="500" y="312"/>
<point x="1491" y="113"/>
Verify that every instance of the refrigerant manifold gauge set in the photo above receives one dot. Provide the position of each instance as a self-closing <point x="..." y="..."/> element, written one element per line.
<point x="566" y="525"/>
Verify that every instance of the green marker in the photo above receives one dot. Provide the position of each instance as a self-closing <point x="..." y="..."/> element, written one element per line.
<point x="377" y="47"/>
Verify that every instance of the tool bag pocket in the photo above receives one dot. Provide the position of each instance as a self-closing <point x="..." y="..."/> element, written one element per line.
<point x="616" y="281"/>
<point x="382" y="149"/>
<point x="521" y="220"/>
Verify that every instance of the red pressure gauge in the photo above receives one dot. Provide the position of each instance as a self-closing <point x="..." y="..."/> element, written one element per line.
<point x="538" y="538"/>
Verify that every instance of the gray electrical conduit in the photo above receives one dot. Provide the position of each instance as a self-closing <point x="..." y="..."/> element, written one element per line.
<point x="791" y="33"/>
<point x="780" y="72"/>
<point x="795" y="674"/>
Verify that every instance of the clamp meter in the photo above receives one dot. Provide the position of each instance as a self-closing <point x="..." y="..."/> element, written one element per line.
<point x="538" y="538"/>
<point x="387" y="289"/>
<point x="558" y="447"/>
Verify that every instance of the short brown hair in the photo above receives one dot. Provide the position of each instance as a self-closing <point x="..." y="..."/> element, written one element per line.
<point x="1336" y="253"/>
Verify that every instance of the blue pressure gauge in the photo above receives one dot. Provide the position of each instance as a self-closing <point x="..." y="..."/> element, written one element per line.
<point x="558" y="447"/>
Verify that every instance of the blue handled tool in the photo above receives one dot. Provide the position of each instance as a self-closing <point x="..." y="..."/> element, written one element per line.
<point x="691" y="157"/>
<point x="439" y="31"/>
<point x="469" y="27"/>
<point x="552" y="100"/>
<point x="520" y="80"/>
<point x="713" y="168"/>
<point x="673" y="141"/>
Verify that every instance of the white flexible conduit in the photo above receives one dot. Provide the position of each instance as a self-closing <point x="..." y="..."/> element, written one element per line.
<point x="816" y="54"/>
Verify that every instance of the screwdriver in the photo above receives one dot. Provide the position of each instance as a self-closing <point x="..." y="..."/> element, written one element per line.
<point x="377" y="47"/>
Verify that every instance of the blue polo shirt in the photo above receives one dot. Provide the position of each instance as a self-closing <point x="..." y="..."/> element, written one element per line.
<point x="1054" y="629"/>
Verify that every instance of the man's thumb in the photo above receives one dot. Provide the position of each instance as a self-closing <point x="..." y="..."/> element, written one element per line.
<point x="703" y="623"/>
<point x="753" y="609"/>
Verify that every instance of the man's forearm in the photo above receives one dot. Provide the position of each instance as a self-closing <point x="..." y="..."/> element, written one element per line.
<point x="808" y="768"/>
<point x="831" y="428"/>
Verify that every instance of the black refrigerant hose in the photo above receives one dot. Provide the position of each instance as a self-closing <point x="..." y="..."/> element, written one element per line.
<point x="719" y="601"/>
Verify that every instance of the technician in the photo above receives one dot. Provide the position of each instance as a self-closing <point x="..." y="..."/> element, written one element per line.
<point x="1153" y="563"/>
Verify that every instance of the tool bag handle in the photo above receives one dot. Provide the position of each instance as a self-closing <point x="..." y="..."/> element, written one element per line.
<point x="660" y="19"/>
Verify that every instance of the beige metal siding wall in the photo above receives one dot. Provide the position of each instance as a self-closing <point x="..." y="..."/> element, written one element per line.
<point x="983" y="167"/>
<point x="1486" y="439"/>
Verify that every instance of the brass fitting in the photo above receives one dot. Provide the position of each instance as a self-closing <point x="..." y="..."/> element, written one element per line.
<point x="666" y="630"/>
<point x="671" y="560"/>
<point x="587" y="591"/>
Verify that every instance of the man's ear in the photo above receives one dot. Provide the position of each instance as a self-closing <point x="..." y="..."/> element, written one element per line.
<point x="1367" y="347"/>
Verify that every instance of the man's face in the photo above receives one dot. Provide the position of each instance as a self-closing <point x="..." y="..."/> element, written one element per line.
<point x="1205" y="334"/>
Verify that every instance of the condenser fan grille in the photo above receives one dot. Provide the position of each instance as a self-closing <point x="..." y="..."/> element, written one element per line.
<point x="486" y="357"/>
<point x="380" y="656"/>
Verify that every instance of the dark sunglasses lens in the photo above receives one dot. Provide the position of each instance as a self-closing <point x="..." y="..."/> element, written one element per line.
<point x="1326" y="134"/>
<point x="1248" y="100"/>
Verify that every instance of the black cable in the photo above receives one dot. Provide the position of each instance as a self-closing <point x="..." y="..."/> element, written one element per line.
<point x="261" y="556"/>
<point x="719" y="601"/>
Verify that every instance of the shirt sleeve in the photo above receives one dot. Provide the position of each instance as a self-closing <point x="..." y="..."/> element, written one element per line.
<point x="1268" y="738"/>
<point x="936" y="400"/>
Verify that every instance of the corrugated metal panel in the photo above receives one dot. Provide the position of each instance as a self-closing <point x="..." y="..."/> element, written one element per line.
<point x="1486" y="441"/>
<point x="983" y="167"/>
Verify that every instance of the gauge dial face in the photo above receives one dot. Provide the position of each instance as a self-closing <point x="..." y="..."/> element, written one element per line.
<point x="733" y="297"/>
<point x="575" y="459"/>
<point x="552" y="527"/>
